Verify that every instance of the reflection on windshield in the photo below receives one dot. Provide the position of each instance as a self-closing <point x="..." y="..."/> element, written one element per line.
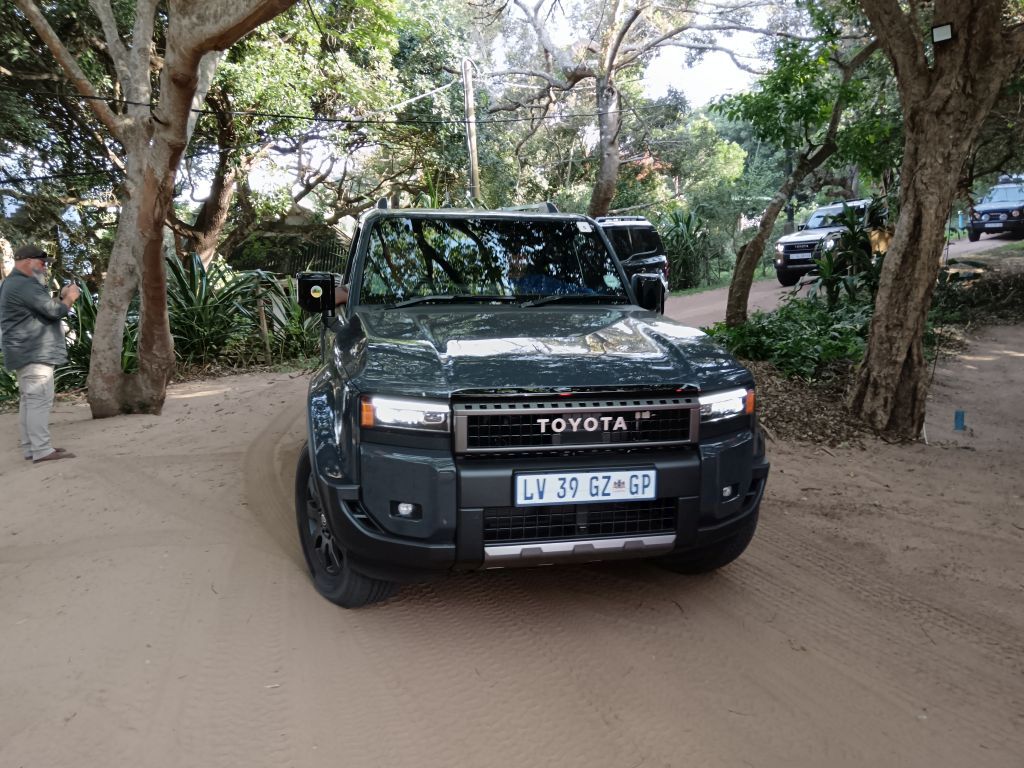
<point x="1004" y="195"/>
<point x="830" y="217"/>
<point x="413" y="256"/>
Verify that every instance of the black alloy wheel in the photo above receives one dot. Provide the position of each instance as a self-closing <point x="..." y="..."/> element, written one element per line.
<point x="325" y="556"/>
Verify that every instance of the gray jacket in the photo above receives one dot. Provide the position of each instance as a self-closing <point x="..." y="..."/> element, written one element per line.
<point x="30" y="323"/>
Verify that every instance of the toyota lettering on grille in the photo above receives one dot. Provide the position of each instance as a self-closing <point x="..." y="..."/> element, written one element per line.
<point x="588" y="423"/>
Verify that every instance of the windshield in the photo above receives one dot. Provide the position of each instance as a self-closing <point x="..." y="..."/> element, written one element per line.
<point x="411" y="257"/>
<point x="1004" y="195"/>
<point x="831" y="216"/>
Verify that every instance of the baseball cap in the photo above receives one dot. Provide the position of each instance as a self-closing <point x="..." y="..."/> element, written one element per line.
<point x="31" y="251"/>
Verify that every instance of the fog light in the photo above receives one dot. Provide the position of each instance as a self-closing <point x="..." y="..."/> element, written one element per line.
<point x="728" y="491"/>
<point x="406" y="510"/>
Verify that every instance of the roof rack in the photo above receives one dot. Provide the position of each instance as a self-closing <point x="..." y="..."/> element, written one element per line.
<point x="603" y="219"/>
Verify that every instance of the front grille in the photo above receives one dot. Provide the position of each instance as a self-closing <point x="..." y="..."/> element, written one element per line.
<point x="579" y="521"/>
<point x="801" y="250"/>
<point x="569" y="426"/>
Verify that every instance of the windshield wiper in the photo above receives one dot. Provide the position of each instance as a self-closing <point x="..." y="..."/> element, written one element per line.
<point x="457" y="298"/>
<point x="578" y="298"/>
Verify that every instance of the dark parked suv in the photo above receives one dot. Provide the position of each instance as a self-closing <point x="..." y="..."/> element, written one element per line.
<point x="1001" y="210"/>
<point x="637" y="244"/>
<point x="496" y="392"/>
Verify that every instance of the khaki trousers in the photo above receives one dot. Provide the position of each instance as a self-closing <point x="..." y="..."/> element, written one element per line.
<point x="35" y="381"/>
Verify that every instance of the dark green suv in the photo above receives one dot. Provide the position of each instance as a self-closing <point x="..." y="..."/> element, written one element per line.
<point x="1000" y="210"/>
<point x="496" y="392"/>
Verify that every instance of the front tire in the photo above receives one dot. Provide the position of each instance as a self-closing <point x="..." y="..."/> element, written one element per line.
<point x="325" y="556"/>
<point x="713" y="556"/>
<point x="786" y="278"/>
<point x="973" y="236"/>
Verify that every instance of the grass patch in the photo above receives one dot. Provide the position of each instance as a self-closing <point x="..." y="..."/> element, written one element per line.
<point x="1011" y="249"/>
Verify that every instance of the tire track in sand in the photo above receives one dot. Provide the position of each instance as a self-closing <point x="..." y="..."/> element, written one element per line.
<point x="268" y="475"/>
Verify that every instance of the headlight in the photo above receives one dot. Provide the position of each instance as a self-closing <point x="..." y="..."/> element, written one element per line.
<point x="400" y="413"/>
<point x="725" y="405"/>
<point x="829" y="243"/>
<point x="779" y="247"/>
<point x="1015" y="214"/>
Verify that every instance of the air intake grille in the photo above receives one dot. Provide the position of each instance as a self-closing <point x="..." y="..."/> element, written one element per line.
<point x="580" y="521"/>
<point x="553" y="426"/>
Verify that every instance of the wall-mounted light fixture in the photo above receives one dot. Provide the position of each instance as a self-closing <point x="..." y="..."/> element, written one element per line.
<point x="942" y="33"/>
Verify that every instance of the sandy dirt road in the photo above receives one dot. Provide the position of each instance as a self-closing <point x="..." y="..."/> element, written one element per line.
<point x="154" y="612"/>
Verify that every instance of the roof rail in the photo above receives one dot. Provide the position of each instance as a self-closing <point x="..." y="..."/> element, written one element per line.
<point x="545" y="207"/>
<point x="602" y="219"/>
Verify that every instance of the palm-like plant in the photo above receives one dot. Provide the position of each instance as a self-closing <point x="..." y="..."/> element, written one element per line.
<point x="689" y="247"/>
<point x="81" y="324"/>
<point x="209" y="308"/>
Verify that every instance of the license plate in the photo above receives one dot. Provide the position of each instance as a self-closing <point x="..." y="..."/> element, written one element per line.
<point x="800" y="256"/>
<point x="994" y="225"/>
<point x="585" y="487"/>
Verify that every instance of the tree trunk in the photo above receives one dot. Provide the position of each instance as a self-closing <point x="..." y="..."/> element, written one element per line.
<point x="749" y="256"/>
<point x="609" y="121"/>
<point x="153" y="151"/>
<point x="892" y="384"/>
<point x="751" y="252"/>
<point x="213" y="216"/>
<point x="945" y="99"/>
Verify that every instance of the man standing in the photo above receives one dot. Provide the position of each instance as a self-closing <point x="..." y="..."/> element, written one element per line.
<point x="33" y="345"/>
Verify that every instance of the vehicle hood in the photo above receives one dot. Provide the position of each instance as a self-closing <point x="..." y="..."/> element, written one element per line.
<point x="809" y="235"/>
<point x="990" y="207"/>
<point x="434" y="351"/>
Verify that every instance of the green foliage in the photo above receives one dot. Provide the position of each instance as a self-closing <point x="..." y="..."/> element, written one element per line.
<point x="8" y="384"/>
<point x="793" y="100"/>
<point x="801" y="338"/>
<point x="208" y="308"/>
<point x="848" y="265"/>
<point x="294" y="333"/>
<point x="689" y="248"/>
<point x="995" y="296"/>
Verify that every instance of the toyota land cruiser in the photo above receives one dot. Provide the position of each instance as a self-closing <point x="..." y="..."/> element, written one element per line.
<point x="497" y="393"/>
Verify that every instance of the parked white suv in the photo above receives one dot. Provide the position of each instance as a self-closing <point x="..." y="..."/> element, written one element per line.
<point x="795" y="253"/>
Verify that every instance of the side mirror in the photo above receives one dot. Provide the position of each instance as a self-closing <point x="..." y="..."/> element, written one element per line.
<point x="801" y="227"/>
<point x="650" y="291"/>
<point x="316" y="292"/>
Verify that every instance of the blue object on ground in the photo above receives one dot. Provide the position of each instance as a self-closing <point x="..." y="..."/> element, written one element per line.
<point x="958" y="421"/>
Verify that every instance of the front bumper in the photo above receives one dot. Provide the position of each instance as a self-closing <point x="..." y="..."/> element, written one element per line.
<point x="1015" y="226"/>
<point x="796" y="266"/>
<point x="458" y="499"/>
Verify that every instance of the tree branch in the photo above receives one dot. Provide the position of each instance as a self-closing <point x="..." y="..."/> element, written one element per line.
<point x="142" y="42"/>
<point x="115" y="46"/>
<point x="898" y="37"/>
<point x="70" y="66"/>
<point x="613" y="51"/>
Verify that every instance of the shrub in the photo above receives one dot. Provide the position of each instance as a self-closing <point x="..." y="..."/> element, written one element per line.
<point x="209" y="308"/>
<point x="992" y="296"/>
<point x="689" y="248"/>
<point x="294" y="333"/>
<point x="8" y="384"/>
<point x="801" y="338"/>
